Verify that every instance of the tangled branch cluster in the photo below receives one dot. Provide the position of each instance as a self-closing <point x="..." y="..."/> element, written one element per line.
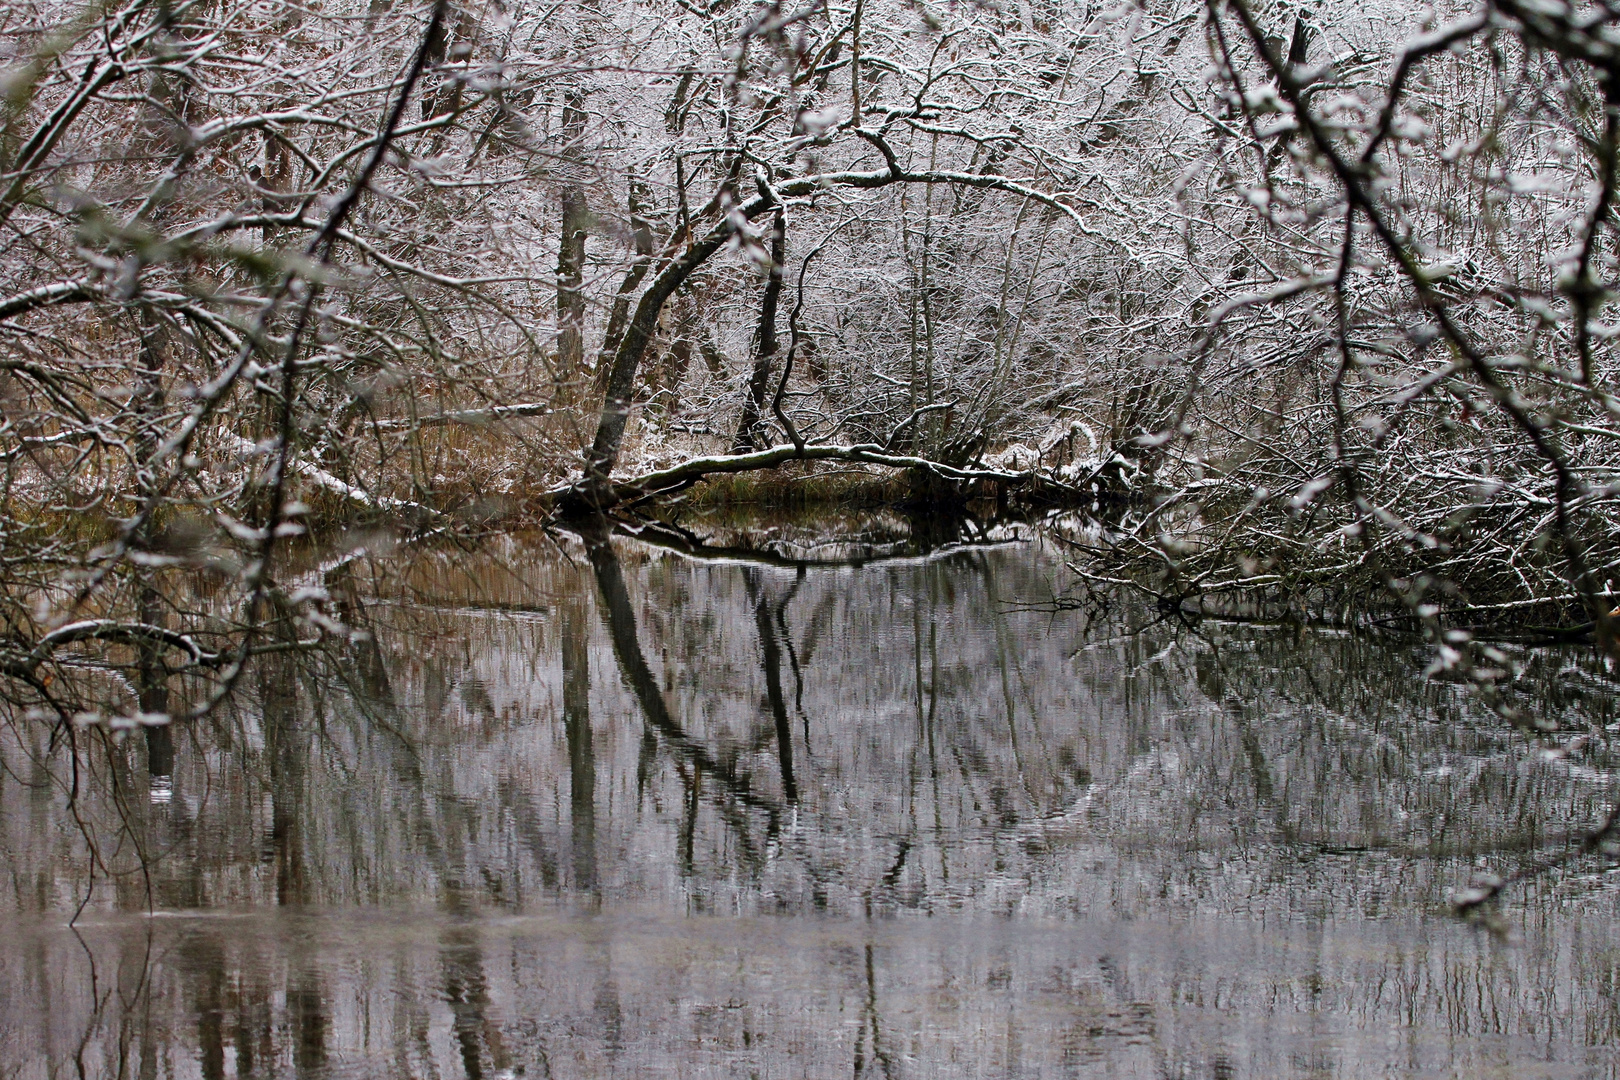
<point x="1417" y="412"/>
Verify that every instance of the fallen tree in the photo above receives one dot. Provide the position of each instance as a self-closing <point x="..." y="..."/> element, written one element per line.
<point x="663" y="482"/>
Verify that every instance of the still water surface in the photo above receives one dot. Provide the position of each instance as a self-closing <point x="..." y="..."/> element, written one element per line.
<point x="859" y="809"/>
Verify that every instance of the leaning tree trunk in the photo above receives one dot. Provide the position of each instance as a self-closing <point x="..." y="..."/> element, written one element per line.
<point x="642" y="239"/>
<point x="595" y="490"/>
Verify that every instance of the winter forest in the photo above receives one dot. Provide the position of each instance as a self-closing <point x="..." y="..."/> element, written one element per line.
<point x="1287" y="311"/>
<point x="1317" y="291"/>
<point x="1320" y="289"/>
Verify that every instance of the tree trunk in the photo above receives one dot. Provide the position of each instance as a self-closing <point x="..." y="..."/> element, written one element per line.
<point x="641" y="237"/>
<point x="664" y="381"/>
<point x="571" y="250"/>
<point x="595" y="490"/>
<point x="152" y="677"/>
<point x="764" y="345"/>
<point x="577" y="730"/>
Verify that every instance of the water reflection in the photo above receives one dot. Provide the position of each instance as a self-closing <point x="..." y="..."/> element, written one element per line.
<point x="551" y="996"/>
<point x="771" y="806"/>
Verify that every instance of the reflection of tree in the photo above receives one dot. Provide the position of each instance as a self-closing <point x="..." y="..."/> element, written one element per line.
<point x="769" y="619"/>
<point x="871" y="1033"/>
<point x="286" y="744"/>
<point x="309" y="1017"/>
<point x="204" y="985"/>
<point x="925" y="533"/>
<point x="203" y="961"/>
<point x="916" y="797"/>
<point x="152" y="690"/>
<point x="734" y="790"/>
<point x="576" y="690"/>
<point x="364" y="669"/>
<point x="466" y="989"/>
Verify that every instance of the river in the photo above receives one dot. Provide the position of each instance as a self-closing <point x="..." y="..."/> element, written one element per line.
<point x="776" y="805"/>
